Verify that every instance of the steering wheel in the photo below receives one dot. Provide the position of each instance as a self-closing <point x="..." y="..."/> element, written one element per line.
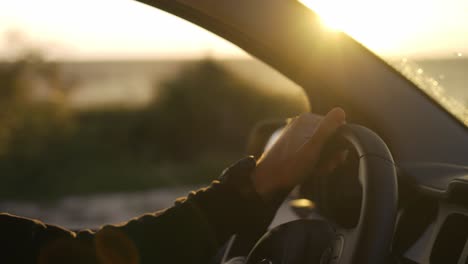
<point x="326" y="241"/>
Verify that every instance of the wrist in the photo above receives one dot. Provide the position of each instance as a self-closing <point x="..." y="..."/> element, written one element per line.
<point x="267" y="187"/>
<point x="262" y="186"/>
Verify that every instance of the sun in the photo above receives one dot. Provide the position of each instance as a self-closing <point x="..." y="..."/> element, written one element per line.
<point x="331" y="17"/>
<point x="382" y="26"/>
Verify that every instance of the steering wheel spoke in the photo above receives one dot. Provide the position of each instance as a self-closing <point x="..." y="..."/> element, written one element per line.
<point x="342" y="247"/>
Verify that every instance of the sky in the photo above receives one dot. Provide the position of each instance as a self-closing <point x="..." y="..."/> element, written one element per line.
<point x="89" y="29"/>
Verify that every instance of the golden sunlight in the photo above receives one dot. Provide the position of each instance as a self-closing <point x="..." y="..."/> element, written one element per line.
<point x="390" y="26"/>
<point x="94" y="29"/>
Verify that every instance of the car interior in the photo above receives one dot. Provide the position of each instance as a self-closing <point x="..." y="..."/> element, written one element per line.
<point x="401" y="196"/>
<point x="430" y="218"/>
<point x="406" y="203"/>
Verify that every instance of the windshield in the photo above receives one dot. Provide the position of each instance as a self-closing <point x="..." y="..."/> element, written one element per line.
<point x="426" y="40"/>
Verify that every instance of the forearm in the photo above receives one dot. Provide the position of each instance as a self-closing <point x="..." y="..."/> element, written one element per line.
<point x="191" y="231"/>
<point x="197" y="226"/>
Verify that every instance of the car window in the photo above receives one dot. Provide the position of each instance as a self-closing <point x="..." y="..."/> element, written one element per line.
<point x="119" y="112"/>
<point x="427" y="41"/>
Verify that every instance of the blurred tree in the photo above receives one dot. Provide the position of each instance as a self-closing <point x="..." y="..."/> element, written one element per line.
<point x="33" y="106"/>
<point x="199" y="122"/>
<point x="206" y="108"/>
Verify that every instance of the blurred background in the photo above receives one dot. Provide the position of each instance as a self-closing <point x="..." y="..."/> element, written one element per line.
<point x="102" y="120"/>
<point x="110" y="108"/>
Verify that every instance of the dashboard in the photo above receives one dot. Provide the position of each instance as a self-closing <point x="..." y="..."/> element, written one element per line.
<point x="444" y="240"/>
<point x="432" y="223"/>
<point x="433" y="219"/>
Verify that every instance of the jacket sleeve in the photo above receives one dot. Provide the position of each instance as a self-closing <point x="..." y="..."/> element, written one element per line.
<point x="189" y="232"/>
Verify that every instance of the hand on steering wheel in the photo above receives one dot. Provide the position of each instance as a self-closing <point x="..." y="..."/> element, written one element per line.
<point x="369" y="242"/>
<point x="295" y="154"/>
<point x="294" y="157"/>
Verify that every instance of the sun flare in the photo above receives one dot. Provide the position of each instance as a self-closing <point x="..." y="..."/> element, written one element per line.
<point x="380" y="25"/>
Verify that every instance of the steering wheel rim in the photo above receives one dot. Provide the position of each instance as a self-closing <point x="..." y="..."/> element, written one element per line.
<point x="372" y="237"/>
<point x="370" y="241"/>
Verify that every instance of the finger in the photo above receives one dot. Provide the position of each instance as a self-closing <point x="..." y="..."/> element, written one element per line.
<point x="327" y="126"/>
